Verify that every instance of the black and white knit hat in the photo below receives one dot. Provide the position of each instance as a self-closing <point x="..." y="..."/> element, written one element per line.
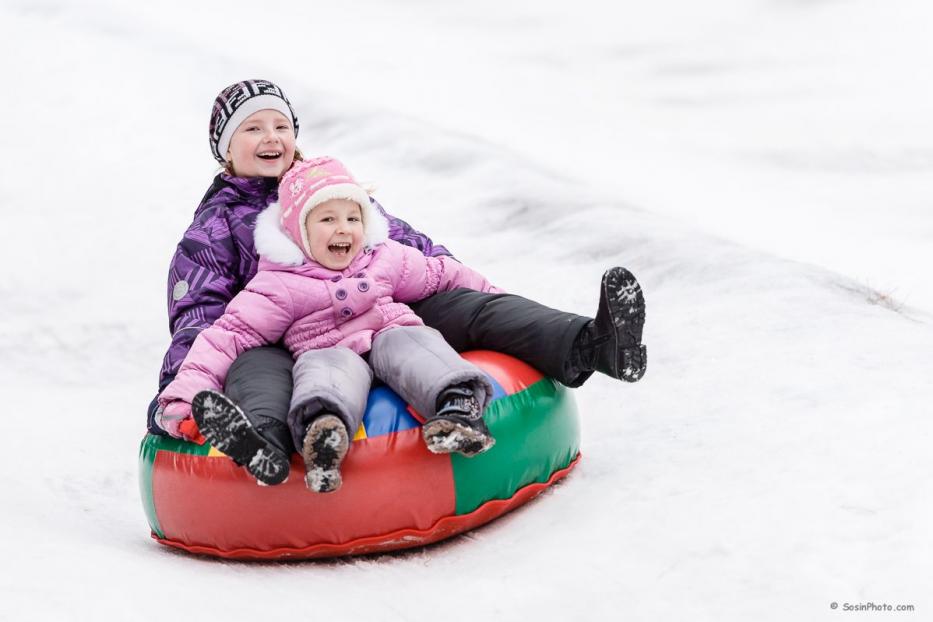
<point x="236" y="102"/>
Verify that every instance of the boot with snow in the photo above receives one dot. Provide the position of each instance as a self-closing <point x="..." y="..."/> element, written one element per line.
<point x="458" y="425"/>
<point x="611" y="343"/>
<point x="325" y="446"/>
<point x="226" y="427"/>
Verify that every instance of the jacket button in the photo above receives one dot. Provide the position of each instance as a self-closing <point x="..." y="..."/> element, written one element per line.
<point x="346" y="312"/>
<point x="363" y="286"/>
<point x="336" y="278"/>
<point x="360" y="275"/>
<point x="341" y="294"/>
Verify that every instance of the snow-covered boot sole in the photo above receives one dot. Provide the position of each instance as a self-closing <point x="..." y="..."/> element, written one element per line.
<point x="325" y="446"/>
<point x="227" y="429"/>
<point x="443" y="436"/>
<point x="621" y="318"/>
<point x="458" y="425"/>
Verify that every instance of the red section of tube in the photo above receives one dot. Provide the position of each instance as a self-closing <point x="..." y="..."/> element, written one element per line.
<point x="445" y="527"/>
<point x="390" y="483"/>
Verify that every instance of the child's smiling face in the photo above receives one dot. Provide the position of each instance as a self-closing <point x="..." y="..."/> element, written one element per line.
<point x="335" y="233"/>
<point x="263" y="145"/>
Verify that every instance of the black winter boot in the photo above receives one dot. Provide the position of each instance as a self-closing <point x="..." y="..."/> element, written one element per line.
<point x="611" y="343"/>
<point x="325" y="446"/>
<point x="226" y="427"/>
<point x="458" y="425"/>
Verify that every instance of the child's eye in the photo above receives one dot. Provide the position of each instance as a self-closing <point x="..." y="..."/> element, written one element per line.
<point x="354" y="218"/>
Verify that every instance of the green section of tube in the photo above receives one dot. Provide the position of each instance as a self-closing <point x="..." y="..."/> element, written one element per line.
<point x="150" y="446"/>
<point x="537" y="432"/>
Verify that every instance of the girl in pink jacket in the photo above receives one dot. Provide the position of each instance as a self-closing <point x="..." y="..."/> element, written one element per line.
<point x="333" y="287"/>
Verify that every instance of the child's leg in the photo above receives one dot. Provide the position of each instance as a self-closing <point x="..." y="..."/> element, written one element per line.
<point x="419" y="365"/>
<point x="333" y="380"/>
<point x="331" y="388"/>
<point x="427" y="373"/>
<point x="564" y="346"/>
<point x="540" y="336"/>
<point x="247" y="421"/>
<point x="260" y="382"/>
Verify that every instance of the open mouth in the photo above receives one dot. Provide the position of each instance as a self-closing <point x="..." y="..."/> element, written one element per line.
<point x="341" y="248"/>
<point x="269" y="155"/>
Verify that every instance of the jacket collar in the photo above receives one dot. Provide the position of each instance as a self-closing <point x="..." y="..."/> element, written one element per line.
<point x="265" y="187"/>
<point x="315" y="270"/>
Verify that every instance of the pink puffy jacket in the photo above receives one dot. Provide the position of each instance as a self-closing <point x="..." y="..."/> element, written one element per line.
<point x="314" y="307"/>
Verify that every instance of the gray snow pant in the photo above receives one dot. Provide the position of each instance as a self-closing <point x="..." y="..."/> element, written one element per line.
<point x="414" y="361"/>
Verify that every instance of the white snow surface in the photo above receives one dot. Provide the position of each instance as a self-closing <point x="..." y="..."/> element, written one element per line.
<point x="763" y="167"/>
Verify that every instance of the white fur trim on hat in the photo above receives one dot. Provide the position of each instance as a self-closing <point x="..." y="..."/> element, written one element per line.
<point x="250" y="106"/>
<point x="375" y="225"/>
<point x="273" y="243"/>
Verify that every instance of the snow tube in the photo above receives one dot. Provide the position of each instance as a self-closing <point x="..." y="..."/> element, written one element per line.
<point x="395" y="493"/>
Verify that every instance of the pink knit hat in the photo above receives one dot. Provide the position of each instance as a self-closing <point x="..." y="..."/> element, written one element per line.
<point x="311" y="182"/>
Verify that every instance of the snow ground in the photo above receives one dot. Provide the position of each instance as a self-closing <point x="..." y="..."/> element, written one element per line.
<point x="763" y="167"/>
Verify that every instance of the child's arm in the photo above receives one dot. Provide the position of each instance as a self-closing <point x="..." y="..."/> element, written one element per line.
<point x="420" y="276"/>
<point x="204" y="275"/>
<point x="257" y="316"/>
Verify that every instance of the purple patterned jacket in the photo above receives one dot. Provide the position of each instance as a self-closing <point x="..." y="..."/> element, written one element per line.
<point x="216" y="258"/>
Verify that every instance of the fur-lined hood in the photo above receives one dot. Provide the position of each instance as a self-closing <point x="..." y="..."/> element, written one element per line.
<point x="275" y="245"/>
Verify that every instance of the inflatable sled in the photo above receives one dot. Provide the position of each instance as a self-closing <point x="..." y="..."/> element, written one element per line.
<point x="395" y="493"/>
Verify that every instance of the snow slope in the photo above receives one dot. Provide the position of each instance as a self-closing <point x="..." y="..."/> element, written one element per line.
<point x="760" y="166"/>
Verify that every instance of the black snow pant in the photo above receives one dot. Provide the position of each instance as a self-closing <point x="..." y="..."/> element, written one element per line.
<point x="540" y="336"/>
<point x="260" y="380"/>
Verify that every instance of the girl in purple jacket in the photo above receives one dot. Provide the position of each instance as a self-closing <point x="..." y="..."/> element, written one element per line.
<point x="252" y="135"/>
<point x="333" y="285"/>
